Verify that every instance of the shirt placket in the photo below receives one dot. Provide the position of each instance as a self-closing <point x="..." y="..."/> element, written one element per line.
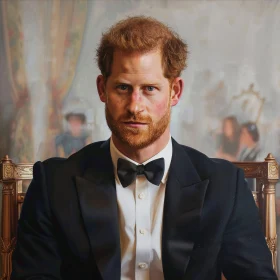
<point x="143" y="229"/>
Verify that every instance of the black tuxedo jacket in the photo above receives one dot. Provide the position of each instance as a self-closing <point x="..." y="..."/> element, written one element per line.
<point x="69" y="229"/>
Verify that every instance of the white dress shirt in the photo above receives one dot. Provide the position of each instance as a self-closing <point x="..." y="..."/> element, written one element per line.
<point x="140" y="208"/>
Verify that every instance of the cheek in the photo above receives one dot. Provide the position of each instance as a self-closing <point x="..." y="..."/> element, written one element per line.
<point x="160" y="108"/>
<point x="115" y="106"/>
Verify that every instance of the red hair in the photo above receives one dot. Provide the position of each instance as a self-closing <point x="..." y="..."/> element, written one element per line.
<point x="143" y="34"/>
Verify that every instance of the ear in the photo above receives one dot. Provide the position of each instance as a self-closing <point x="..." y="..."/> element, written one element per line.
<point x="100" y="83"/>
<point x="177" y="87"/>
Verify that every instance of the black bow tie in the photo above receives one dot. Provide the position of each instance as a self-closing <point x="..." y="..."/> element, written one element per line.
<point x="128" y="171"/>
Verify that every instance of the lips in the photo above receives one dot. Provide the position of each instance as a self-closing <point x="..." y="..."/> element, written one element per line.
<point x="135" y="124"/>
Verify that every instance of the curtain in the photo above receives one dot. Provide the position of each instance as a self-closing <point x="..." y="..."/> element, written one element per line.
<point x="22" y="134"/>
<point x="67" y="29"/>
<point x="43" y="40"/>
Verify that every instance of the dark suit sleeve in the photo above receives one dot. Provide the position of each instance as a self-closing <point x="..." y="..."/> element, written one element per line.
<point x="244" y="253"/>
<point x="36" y="255"/>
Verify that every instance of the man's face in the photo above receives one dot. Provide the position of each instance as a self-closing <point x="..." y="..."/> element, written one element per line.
<point x="138" y="98"/>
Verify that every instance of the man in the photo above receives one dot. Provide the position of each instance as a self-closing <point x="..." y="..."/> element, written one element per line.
<point x="140" y="205"/>
<point x="249" y="142"/>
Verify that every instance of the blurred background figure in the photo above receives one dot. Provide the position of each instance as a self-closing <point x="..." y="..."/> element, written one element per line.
<point x="228" y="139"/>
<point x="249" y="147"/>
<point x="249" y="142"/>
<point x="75" y="137"/>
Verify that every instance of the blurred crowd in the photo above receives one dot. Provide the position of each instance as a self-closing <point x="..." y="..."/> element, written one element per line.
<point x="237" y="142"/>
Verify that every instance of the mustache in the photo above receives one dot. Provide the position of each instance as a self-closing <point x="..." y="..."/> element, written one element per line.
<point x="135" y="118"/>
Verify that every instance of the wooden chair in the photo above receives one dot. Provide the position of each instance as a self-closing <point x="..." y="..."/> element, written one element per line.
<point x="266" y="174"/>
<point x="13" y="176"/>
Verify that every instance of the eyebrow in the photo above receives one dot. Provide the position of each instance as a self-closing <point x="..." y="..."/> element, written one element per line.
<point x="119" y="82"/>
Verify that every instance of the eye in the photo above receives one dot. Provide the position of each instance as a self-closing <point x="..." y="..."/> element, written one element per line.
<point x="150" y="88"/>
<point x="122" y="87"/>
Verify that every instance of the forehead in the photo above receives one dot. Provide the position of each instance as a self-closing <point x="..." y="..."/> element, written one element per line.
<point x="133" y="63"/>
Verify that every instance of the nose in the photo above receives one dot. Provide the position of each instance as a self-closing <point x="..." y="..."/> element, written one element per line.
<point x="135" y="103"/>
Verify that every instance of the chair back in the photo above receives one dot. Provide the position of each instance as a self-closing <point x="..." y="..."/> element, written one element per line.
<point x="266" y="174"/>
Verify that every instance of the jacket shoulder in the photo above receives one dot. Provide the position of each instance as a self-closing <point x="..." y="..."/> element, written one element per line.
<point x="208" y="166"/>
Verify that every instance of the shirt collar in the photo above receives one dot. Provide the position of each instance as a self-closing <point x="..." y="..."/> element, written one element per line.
<point x="165" y="153"/>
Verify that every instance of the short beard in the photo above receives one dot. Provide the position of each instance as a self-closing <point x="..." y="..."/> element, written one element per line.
<point x="135" y="137"/>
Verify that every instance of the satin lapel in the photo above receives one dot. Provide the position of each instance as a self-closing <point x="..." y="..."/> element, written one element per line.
<point x="98" y="202"/>
<point x="184" y="199"/>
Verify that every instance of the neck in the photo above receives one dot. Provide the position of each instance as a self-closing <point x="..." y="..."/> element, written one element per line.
<point x="142" y="155"/>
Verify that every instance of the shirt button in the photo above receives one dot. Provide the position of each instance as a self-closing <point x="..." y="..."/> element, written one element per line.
<point x="142" y="265"/>
<point x="142" y="231"/>
<point x="141" y="195"/>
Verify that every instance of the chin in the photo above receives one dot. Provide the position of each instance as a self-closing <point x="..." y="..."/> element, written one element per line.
<point x="137" y="137"/>
<point x="137" y="144"/>
<point x="138" y="141"/>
